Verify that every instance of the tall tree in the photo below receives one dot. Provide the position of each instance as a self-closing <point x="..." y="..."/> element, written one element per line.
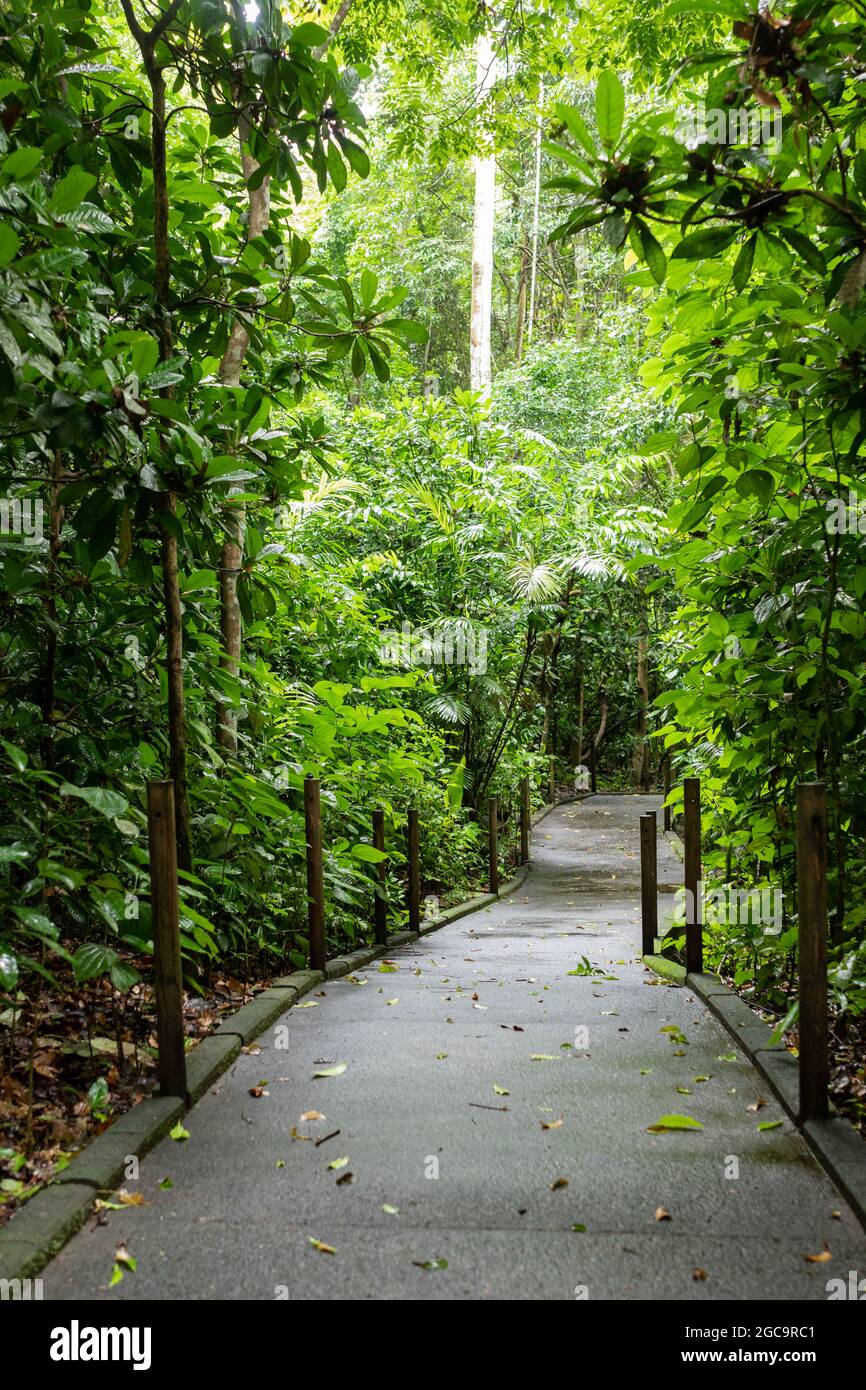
<point x="482" y="225"/>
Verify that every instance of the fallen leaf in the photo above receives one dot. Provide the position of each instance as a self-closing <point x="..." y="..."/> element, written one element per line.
<point x="430" y="1264"/>
<point x="309" y="1115"/>
<point x="308" y="1004"/>
<point x="389" y="1210"/>
<point x="392" y="1001"/>
<point x="345" y="1178"/>
<point x="178" y="1133"/>
<point x="578" y="1226"/>
<point x="558" y="1183"/>
<point x="770" y="1124"/>
<point x="699" y="1274"/>
<point x="336" y="1070"/>
<point x="321" y="1246"/>
<point x="552" y="1124"/>
<point x="662" y="1214"/>
<point x="668" y="1122"/>
<point x="440" y="1056"/>
<point x="257" y="1091"/>
<point x="542" y="1057"/>
<point x="819" y="1259"/>
<point x="338" y="1162"/>
<point x="500" y="1090"/>
<point x="758" y="1105"/>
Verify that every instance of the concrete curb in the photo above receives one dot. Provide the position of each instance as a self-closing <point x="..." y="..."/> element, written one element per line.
<point x="52" y="1216"/>
<point x="834" y="1142"/>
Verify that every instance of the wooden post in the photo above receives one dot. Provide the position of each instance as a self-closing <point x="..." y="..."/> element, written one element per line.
<point x="812" y="912"/>
<point x="493" y="842"/>
<point x="165" y="914"/>
<point x="380" y="903"/>
<point x="666" y="787"/>
<point x="525" y="820"/>
<point x="414" y="856"/>
<point x="315" y="879"/>
<point x="551" y="780"/>
<point x="692" y="874"/>
<point x="649" y="909"/>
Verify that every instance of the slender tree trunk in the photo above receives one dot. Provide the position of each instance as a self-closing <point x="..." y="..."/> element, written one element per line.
<point x="520" y="327"/>
<point x="536" y="212"/>
<point x="641" y="749"/>
<point x="234" y="513"/>
<point x="482" y="234"/>
<point x="165" y="501"/>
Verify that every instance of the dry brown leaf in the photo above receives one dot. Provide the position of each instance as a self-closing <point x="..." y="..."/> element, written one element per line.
<point x="699" y="1274"/>
<point x="819" y="1259"/>
<point x="662" y="1214"/>
<point x="311" y="1115"/>
<point x="552" y="1124"/>
<point x="758" y="1105"/>
<point x="557" y="1183"/>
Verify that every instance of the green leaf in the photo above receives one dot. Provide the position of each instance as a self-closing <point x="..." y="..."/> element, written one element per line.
<point x="576" y="126"/>
<point x="178" y="1133"/>
<point x="107" y="803"/>
<point x="91" y="960"/>
<point x="707" y="242"/>
<point x="743" y="265"/>
<point x="71" y="191"/>
<point x="9" y="243"/>
<point x="609" y="107"/>
<point x="368" y="854"/>
<point x="673" y="1122"/>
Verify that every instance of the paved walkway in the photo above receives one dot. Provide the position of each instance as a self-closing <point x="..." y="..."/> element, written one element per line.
<point x="456" y="1060"/>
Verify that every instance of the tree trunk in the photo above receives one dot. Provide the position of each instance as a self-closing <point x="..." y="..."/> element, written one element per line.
<point x="525" y="257"/>
<point x="641" y="748"/>
<point x="482" y="234"/>
<point x="165" y="502"/>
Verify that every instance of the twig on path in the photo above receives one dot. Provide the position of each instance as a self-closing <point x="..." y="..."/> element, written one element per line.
<point x="474" y="1105"/>
<point x="325" y="1137"/>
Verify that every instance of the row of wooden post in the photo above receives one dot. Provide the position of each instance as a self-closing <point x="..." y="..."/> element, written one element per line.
<point x="166" y="914"/>
<point x="814" y="1057"/>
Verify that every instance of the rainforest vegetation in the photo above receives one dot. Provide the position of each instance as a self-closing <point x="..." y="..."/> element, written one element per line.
<point x="406" y="392"/>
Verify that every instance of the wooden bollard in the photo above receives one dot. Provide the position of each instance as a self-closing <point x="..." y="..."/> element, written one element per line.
<point x="315" y="877"/>
<point x="551" y="780"/>
<point x="414" y="856"/>
<point x="380" y="902"/>
<point x="812" y="913"/>
<point x="649" y="908"/>
<point x="493" y="843"/>
<point x="165" y="914"/>
<point x="525" y="820"/>
<point x="692" y="874"/>
<point x="666" y="787"/>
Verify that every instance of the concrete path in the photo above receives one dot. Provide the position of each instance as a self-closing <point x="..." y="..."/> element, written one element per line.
<point x="455" y="1061"/>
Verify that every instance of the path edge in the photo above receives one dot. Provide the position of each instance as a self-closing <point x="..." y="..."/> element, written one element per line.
<point x="52" y="1216"/>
